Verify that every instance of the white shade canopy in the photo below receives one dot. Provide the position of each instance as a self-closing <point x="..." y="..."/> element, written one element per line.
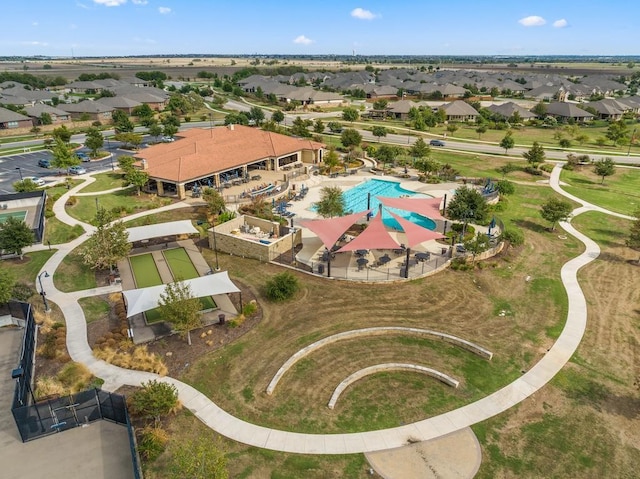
<point x="139" y="233"/>
<point x="143" y="299"/>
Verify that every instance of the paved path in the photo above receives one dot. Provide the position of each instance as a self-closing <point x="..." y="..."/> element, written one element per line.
<point x="443" y="424"/>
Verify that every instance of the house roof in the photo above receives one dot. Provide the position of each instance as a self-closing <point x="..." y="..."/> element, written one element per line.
<point x="508" y="109"/>
<point x="567" y="110"/>
<point x="39" y="108"/>
<point x="87" y="106"/>
<point x="200" y="153"/>
<point x="459" y="108"/>
<point x="607" y="107"/>
<point x="119" y="102"/>
<point x="8" y="115"/>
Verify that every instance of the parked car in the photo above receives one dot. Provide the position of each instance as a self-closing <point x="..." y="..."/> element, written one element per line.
<point x="82" y="156"/>
<point x="35" y="179"/>
<point x="436" y="143"/>
<point x="77" y="170"/>
<point x="168" y="139"/>
<point x="44" y="163"/>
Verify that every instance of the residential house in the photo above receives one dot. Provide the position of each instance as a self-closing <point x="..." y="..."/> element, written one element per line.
<point x="88" y="109"/>
<point x="459" y="110"/>
<point x="607" y="109"/>
<point x="57" y="115"/>
<point x="507" y="110"/>
<point x="10" y="119"/>
<point x="568" y="111"/>
<point x="120" y="103"/>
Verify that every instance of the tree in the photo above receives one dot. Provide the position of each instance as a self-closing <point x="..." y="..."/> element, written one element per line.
<point x="155" y="130"/>
<point x="387" y="154"/>
<point x="300" y="127"/>
<point x="129" y="139"/>
<point x="468" y="204"/>
<point x="281" y="286"/>
<point x="478" y="244"/>
<point x="506" y="169"/>
<point x="7" y="283"/>
<point x="427" y="166"/>
<point x="617" y="131"/>
<point x="257" y="115"/>
<point x="180" y="308"/>
<point x="350" y="114"/>
<point x="379" y="131"/>
<point x="380" y="104"/>
<point x="277" y="116"/>
<point x="14" y="236"/>
<point x="142" y="111"/>
<point x="633" y="241"/>
<point x="540" y="109"/>
<point x="604" y="167"/>
<point x="125" y="163"/>
<point x="481" y="130"/>
<point x="108" y="244"/>
<point x="335" y="127"/>
<point x="63" y="158"/>
<point x="420" y="149"/>
<point x="121" y="122"/>
<point x="137" y="178"/>
<point x="154" y="399"/>
<point x="506" y="187"/>
<point x="62" y="133"/>
<point x="507" y="142"/>
<point x="94" y="141"/>
<point x="215" y="202"/>
<point x="350" y="138"/>
<point x="535" y="155"/>
<point x="331" y="203"/>
<point x="331" y="159"/>
<point x="25" y="186"/>
<point x="198" y="458"/>
<point x="555" y="210"/>
<point x="318" y="126"/>
<point x="45" y="119"/>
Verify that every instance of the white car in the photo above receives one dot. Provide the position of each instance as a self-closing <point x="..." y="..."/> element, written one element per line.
<point x="35" y="179"/>
<point x="168" y="139"/>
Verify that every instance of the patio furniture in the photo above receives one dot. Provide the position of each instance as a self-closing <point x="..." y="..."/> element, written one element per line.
<point x="384" y="259"/>
<point x="423" y="256"/>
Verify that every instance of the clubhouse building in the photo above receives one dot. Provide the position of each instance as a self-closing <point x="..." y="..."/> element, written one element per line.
<point x="223" y="156"/>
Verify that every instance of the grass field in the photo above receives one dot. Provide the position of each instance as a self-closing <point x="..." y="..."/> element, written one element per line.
<point x="145" y="271"/>
<point x="180" y="264"/>
<point x="26" y="270"/>
<point x="57" y="232"/>
<point x="104" y="181"/>
<point x="94" y="308"/>
<point x="73" y="274"/>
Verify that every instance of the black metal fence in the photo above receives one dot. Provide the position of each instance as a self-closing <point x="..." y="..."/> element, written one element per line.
<point x="35" y="419"/>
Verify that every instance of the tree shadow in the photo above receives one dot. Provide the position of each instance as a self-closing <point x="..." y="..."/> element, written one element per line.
<point x="531" y="226"/>
<point x="626" y="406"/>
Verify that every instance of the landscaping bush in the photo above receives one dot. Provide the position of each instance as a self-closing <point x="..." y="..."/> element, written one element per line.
<point x="513" y="236"/>
<point x="282" y="287"/>
<point x="532" y="170"/>
<point x="152" y="442"/>
<point x="506" y="187"/>
<point x="250" y="309"/>
<point x="22" y="292"/>
<point x="154" y="399"/>
<point x="547" y="167"/>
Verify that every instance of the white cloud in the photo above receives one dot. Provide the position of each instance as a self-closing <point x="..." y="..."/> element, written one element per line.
<point x="34" y="24"/>
<point x="363" y="14"/>
<point x="36" y="43"/>
<point x="164" y="10"/>
<point x="302" y="40"/>
<point x="139" y="2"/>
<point x="532" y="21"/>
<point x="82" y="5"/>
<point x="110" y="3"/>
<point x="561" y="23"/>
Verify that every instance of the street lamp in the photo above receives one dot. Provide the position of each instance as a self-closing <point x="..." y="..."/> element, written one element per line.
<point x="43" y="292"/>
<point x="293" y="246"/>
<point x="20" y="171"/>
<point x="215" y="245"/>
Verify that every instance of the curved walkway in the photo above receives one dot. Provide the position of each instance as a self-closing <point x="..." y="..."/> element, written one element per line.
<point x="242" y="431"/>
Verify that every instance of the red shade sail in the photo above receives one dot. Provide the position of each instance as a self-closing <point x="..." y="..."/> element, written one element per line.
<point x="375" y="236"/>
<point x="416" y="234"/>
<point x="429" y="207"/>
<point x="331" y="229"/>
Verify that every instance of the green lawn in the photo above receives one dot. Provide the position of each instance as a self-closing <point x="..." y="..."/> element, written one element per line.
<point x="605" y="230"/>
<point x="26" y="270"/>
<point x="145" y="271"/>
<point x="73" y="274"/>
<point x="94" y="308"/>
<point x="619" y="193"/>
<point x="104" y="181"/>
<point x="57" y="232"/>
<point x="121" y="201"/>
<point x="180" y="264"/>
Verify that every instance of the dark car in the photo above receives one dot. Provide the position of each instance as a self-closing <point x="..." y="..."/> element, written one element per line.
<point x="44" y="163"/>
<point x="82" y="156"/>
<point x="436" y="143"/>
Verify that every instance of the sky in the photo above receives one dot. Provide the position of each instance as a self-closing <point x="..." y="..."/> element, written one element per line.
<point x="294" y="27"/>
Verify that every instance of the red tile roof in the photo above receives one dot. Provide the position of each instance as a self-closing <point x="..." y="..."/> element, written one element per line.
<point x="199" y="153"/>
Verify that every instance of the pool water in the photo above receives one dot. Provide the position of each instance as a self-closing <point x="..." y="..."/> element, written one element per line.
<point x="356" y="200"/>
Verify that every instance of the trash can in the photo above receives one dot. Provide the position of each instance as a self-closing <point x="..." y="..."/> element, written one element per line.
<point x="221" y="318"/>
<point x="320" y="268"/>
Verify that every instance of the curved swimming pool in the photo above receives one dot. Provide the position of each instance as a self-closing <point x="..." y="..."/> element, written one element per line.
<point x="356" y="200"/>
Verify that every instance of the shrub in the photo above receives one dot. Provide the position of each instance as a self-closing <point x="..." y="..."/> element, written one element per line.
<point x="152" y="442"/>
<point x="154" y="399"/>
<point x="506" y="187"/>
<point x="250" y="309"/>
<point x="282" y="286"/>
<point x="547" y="167"/>
<point x="22" y="291"/>
<point x="514" y="236"/>
<point x="532" y="171"/>
<point x="47" y="386"/>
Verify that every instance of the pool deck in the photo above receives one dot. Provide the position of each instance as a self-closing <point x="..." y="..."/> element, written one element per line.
<point x="143" y="332"/>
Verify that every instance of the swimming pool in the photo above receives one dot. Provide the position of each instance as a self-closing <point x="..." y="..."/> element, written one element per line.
<point x="356" y="200"/>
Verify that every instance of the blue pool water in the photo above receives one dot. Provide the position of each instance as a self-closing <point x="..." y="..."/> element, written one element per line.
<point x="356" y="200"/>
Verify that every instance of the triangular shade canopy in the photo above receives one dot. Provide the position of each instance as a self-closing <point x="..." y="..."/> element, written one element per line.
<point x="415" y="234"/>
<point x="375" y="236"/>
<point x="331" y="229"/>
<point x="429" y="207"/>
<point x="144" y="299"/>
<point x="138" y="233"/>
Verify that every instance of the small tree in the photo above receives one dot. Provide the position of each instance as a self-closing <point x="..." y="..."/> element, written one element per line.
<point x="215" y="202"/>
<point x="507" y="142"/>
<point x="318" y="127"/>
<point x="506" y="187"/>
<point x="481" y="130"/>
<point x="350" y="114"/>
<point x="331" y="203"/>
<point x="277" y="116"/>
<point x="256" y="114"/>
<point x="331" y="159"/>
<point x="282" y="286"/>
<point x="108" y="244"/>
<point x="155" y="130"/>
<point x="379" y="131"/>
<point x="604" y="168"/>
<point x="61" y="133"/>
<point x="506" y="169"/>
<point x="125" y="163"/>
<point x="479" y="244"/>
<point x="25" y="186"/>
<point x="94" y="141"/>
<point x="633" y="241"/>
<point x="468" y="205"/>
<point x="555" y="210"/>
<point x="351" y="138"/>
<point x="14" y="236"/>
<point x="154" y="400"/>
<point x="63" y="158"/>
<point x="535" y="155"/>
<point x="335" y="127"/>
<point x="180" y="308"/>
<point x="137" y="178"/>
